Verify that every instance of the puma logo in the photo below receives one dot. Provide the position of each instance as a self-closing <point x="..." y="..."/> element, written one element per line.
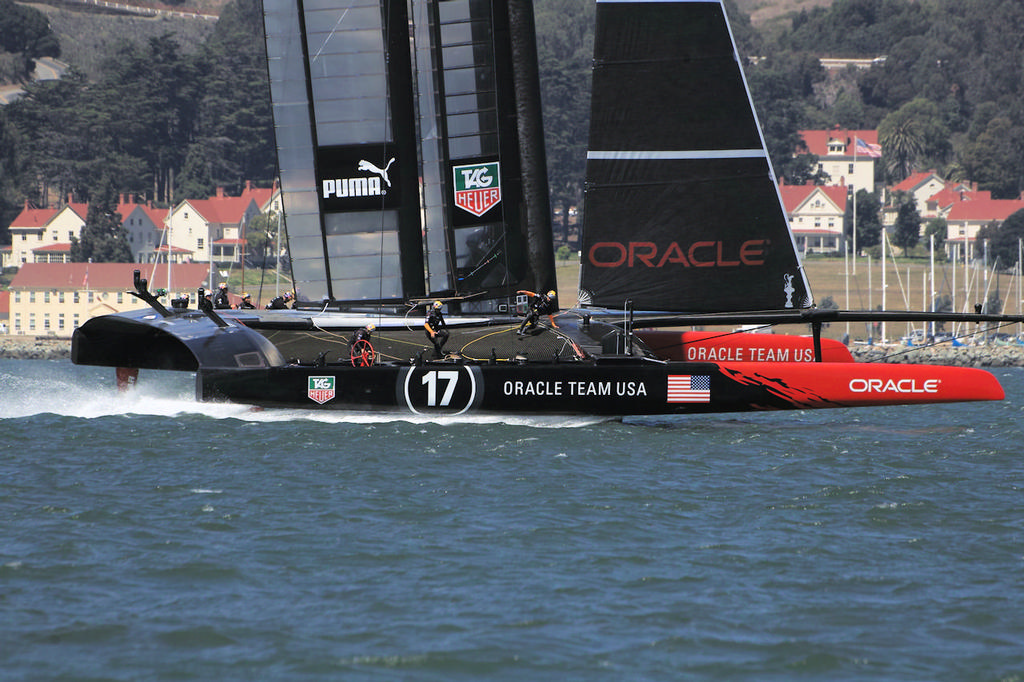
<point x="382" y="172"/>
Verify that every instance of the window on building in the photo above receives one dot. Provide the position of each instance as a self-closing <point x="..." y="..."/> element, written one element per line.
<point x="77" y="298"/>
<point x="17" y="297"/>
<point x="91" y="295"/>
<point x="46" y="322"/>
<point x="851" y="169"/>
<point x="120" y="297"/>
<point x="71" y="235"/>
<point x="199" y="243"/>
<point x="31" y="297"/>
<point x="74" y="320"/>
<point x="31" y="322"/>
<point x="60" y="321"/>
<point x="60" y="297"/>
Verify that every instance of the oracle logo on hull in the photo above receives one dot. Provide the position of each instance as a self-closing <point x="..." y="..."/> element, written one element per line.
<point x="894" y="386"/>
<point x="702" y="254"/>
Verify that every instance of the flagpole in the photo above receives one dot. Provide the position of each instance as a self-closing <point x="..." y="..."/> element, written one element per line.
<point x="854" y="204"/>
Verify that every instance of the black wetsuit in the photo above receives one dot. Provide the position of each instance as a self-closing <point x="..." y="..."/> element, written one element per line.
<point x="541" y="305"/>
<point x="220" y="299"/>
<point x="435" y="320"/>
<point x="277" y="303"/>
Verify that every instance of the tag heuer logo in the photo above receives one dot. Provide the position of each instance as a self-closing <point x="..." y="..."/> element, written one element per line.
<point x="477" y="187"/>
<point x="321" y="389"/>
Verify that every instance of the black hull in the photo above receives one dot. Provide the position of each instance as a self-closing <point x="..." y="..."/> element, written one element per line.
<point x="609" y="387"/>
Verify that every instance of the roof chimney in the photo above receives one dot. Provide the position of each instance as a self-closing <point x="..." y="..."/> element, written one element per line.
<point x="220" y="192"/>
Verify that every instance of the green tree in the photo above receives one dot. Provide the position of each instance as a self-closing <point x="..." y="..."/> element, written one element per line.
<point x="938" y="228"/>
<point x="1003" y="240"/>
<point x="235" y="125"/>
<point x="995" y="159"/>
<point x="104" y="239"/>
<point x="907" y="231"/>
<point x="869" y="220"/>
<point x="902" y="138"/>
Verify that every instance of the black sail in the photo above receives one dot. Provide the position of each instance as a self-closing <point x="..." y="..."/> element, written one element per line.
<point x="400" y="153"/>
<point x="683" y="211"/>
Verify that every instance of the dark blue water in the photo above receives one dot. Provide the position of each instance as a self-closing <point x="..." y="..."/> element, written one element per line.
<point x="148" y="537"/>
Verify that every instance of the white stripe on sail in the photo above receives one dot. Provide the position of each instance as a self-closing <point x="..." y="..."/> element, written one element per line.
<point x="677" y="155"/>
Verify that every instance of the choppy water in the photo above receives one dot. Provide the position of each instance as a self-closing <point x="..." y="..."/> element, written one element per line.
<point x="148" y="537"/>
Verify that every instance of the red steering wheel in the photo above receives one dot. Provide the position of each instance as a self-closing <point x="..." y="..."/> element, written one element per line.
<point x="362" y="353"/>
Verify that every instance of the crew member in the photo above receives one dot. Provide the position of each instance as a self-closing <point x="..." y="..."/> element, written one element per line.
<point x="436" y="328"/>
<point x="246" y="302"/>
<point x="361" y="350"/>
<point x="280" y="302"/>
<point x="220" y="299"/>
<point x="542" y="304"/>
<point x="363" y="334"/>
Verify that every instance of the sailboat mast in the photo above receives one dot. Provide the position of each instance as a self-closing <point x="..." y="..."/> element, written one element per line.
<point x="531" y="143"/>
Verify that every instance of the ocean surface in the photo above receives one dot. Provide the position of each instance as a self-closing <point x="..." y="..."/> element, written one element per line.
<point x="150" y="537"/>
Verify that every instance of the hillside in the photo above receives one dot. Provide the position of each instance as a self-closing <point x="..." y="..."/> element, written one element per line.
<point x="88" y="36"/>
<point x="764" y="12"/>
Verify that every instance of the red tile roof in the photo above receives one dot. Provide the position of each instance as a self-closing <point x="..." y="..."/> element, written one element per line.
<point x="914" y="181"/>
<point x="223" y="210"/>
<point x="817" y="140"/>
<point x="985" y="209"/>
<point x="59" y="248"/>
<point x="112" y="276"/>
<point x="794" y="195"/>
<point x="33" y="218"/>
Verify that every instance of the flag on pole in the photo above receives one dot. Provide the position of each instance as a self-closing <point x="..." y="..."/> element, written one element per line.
<point x="864" y="149"/>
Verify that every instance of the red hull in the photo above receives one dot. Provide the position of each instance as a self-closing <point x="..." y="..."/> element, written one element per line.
<point x="816" y="385"/>
<point x="732" y="347"/>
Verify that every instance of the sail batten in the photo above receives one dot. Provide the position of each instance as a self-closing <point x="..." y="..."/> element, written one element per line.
<point x="668" y="155"/>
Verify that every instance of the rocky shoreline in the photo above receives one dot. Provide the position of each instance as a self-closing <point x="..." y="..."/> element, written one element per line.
<point x="51" y="348"/>
<point x="34" y="348"/>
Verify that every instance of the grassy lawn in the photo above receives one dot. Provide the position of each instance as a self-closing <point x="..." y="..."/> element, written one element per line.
<point x="906" y="287"/>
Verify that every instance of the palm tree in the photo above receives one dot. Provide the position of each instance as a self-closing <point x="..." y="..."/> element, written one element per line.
<point x="903" y="143"/>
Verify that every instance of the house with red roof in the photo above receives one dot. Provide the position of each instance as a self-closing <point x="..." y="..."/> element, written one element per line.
<point x="211" y="230"/>
<point x="36" y="228"/>
<point x="53" y="299"/>
<point x="965" y="218"/>
<point x="919" y="186"/>
<point x="847" y="163"/>
<point x="941" y="203"/>
<point x="144" y="225"/>
<point x="816" y="215"/>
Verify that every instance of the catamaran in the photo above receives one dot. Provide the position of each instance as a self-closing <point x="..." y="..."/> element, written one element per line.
<point x="412" y="170"/>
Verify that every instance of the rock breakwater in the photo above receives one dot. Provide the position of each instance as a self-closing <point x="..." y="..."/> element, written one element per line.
<point x="945" y="354"/>
<point x="34" y="347"/>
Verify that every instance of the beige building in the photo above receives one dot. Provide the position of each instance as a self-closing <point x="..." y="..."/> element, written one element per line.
<point x="848" y="156"/>
<point x="815" y="215"/>
<point x="53" y="299"/>
<point x="48" y="229"/>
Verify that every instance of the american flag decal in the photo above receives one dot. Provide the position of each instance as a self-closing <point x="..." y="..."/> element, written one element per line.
<point x="683" y="388"/>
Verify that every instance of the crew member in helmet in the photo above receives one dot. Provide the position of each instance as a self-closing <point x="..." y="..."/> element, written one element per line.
<point x="363" y="334"/>
<point x="246" y="302"/>
<point x="437" y="330"/>
<point x="280" y="302"/>
<point x="361" y="350"/>
<point x="220" y="299"/>
<point x="542" y="304"/>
